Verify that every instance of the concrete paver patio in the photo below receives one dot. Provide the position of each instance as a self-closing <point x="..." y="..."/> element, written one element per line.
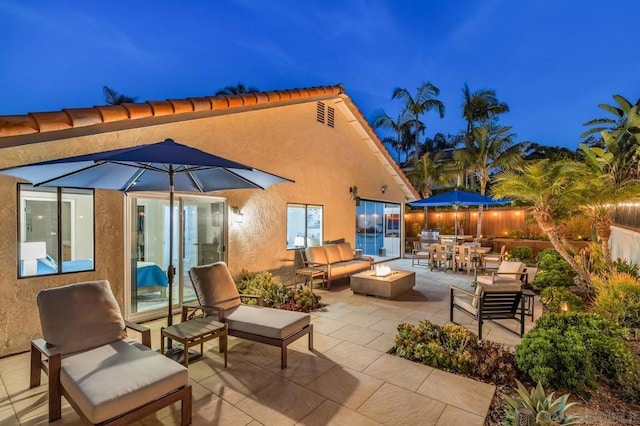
<point x="349" y="378"/>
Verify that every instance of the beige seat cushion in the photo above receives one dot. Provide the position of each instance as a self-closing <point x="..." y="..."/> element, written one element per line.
<point x="268" y="322"/>
<point x="214" y="286"/>
<point x="464" y="304"/>
<point x="501" y="287"/>
<point x="338" y="270"/>
<point x="316" y="255"/>
<point x="80" y="316"/>
<point x="118" y="377"/>
<point x="498" y="279"/>
<point x="355" y="266"/>
<point x="346" y="253"/>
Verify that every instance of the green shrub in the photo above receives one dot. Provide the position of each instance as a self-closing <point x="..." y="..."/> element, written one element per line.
<point x="618" y="299"/>
<point x="453" y="347"/>
<point x="516" y="234"/>
<point x="274" y="295"/>
<point x="623" y="265"/>
<point x="519" y="254"/>
<point x="553" y="270"/>
<point x="569" y="351"/>
<point x="553" y="278"/>
<point x="550" y="260"/>
<point x="552" y="298"/>
<point x="545" y="408"/>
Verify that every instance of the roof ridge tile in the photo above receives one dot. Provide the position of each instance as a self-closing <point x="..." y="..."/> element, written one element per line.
<point x="39" y="122"/>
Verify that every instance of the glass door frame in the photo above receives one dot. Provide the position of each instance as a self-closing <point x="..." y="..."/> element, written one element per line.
<point x="379" y="213"/>
<point x="130" y="222"/>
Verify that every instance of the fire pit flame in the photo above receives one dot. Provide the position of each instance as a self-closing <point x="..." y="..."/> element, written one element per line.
<point x="382" y="271"/>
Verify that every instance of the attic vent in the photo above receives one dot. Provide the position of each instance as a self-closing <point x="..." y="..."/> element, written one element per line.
<point x="331" y="117"/>
<point x="320" y="112"/>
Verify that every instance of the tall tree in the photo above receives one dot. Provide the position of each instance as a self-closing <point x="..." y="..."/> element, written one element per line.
<point x="400" y="142"/>
<point x="427" y="172"/>
<point x="111" y="97"/>
<point x="554" y="190"/>
<point x="479" y="108"/>
<point x="614" y="167"/>
<point x="413" y="107"/>
<point x="490" y="148"/>
<point x="238" y="89"/>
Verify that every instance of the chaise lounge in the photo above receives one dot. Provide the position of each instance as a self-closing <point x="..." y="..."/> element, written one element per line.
<point x="219" y="299"/>
<point x="107" y="378"/>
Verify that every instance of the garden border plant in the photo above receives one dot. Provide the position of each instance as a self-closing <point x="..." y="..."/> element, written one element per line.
<point x="293" y="298"/>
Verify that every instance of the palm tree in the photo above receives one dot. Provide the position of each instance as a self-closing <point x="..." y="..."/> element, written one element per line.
<point x="111" y="97"/>
<point x="238" y="89"/>
<point x="401" y="129"/>
<point x="413" y="108"/>
<point x="614" y="167"/>
<point x="490" y="148"/>
<point x="480" y="106"/>
<point x="427" y="172"/>
<point x="554" y="189"/>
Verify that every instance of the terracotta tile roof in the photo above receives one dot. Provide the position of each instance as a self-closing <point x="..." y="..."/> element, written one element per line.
<point x="39" y="122"/>
<point x="71" y="118"/>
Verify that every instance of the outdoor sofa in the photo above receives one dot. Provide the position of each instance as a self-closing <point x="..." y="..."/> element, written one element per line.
<point x="106" y="377"/>
<point x="336" y="260"/>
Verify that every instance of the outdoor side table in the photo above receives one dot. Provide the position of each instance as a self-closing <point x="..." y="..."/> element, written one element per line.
<point x="310" y="274"/>
<point x="195" y="332"/>
<point x="529" y="297"/>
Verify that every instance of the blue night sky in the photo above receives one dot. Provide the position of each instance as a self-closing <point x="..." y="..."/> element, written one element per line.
<point x="552" y="61"/>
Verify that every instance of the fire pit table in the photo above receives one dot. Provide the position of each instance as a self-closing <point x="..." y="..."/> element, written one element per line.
<point x="384" y="283"/>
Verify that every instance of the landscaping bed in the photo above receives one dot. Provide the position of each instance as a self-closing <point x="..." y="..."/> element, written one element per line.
<point x="605" y="406"/>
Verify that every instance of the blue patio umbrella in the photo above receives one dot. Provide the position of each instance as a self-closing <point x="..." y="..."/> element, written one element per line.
<point x="162" y="166"/>
<point x="457" y="198"/>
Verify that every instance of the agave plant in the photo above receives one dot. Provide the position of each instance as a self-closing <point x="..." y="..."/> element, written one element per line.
<point x="548" y="411"/>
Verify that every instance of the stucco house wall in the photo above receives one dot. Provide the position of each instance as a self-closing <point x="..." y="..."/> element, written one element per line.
<point x="283" y="138"/>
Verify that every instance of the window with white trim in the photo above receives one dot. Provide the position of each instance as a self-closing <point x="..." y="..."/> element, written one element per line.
<point x="304" y="225"/>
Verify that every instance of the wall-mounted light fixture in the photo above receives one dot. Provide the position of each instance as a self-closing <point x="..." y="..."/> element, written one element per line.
<point x="383" y="189"/>
<point x="353" y="191"/>
<point x="237" y="214"/>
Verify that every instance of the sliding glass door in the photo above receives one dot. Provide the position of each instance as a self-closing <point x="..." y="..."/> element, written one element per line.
<point x="199" y="238"/>
<point x="378" y="229"/>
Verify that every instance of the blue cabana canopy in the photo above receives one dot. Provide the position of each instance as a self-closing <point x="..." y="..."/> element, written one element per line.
<point x="457" y="198"/>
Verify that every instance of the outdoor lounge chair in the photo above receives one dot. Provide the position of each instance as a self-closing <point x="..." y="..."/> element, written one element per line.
<point x="490" y="302"/>
<point x="107" y="378"/>
<point x="508" y="272"/>
<point x="219" y="299"/>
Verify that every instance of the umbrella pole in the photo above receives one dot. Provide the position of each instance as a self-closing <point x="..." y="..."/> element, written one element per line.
<point x="455" y="221"/>
<point x="170" y="270"/>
